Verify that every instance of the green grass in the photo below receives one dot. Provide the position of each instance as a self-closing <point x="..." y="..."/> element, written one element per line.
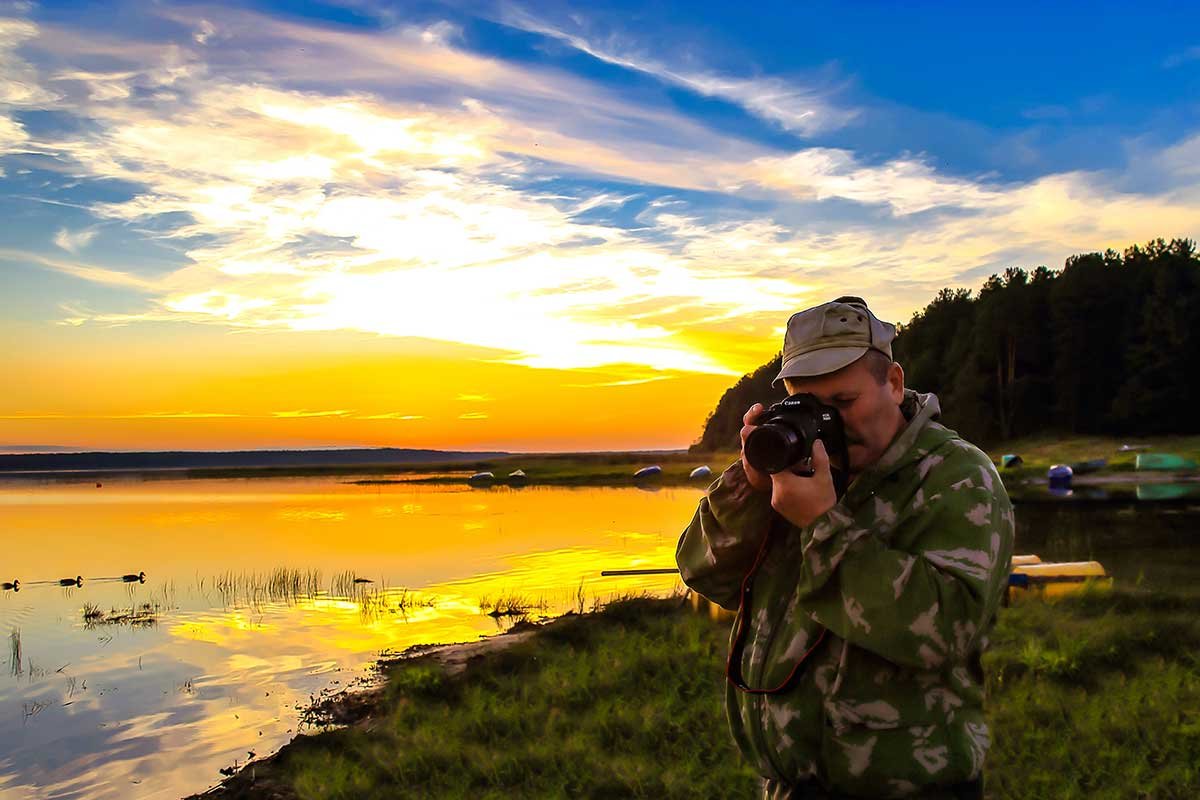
<point x="1096" y="696"/>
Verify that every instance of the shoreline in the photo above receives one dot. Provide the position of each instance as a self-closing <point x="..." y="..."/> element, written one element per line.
<point x="638" y="686"/>
<point x="358" y="706"/>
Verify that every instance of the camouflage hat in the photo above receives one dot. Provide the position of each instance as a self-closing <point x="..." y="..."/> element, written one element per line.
<point x="827" y="337"/>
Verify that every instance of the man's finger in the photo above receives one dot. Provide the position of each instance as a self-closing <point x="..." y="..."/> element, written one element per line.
<point x="820" y="459"/>
<point x="752" y="413"/>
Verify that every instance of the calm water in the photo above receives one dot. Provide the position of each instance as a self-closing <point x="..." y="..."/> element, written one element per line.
<point x="97" y="710"/>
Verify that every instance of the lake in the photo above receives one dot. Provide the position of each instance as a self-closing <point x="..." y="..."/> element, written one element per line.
<point x="250" y="608"/>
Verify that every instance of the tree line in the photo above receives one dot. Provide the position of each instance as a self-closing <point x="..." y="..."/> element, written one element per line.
<point x="1109" y="344"/>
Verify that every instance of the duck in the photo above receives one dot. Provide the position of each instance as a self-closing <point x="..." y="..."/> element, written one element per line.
<point x="76" y="581"/>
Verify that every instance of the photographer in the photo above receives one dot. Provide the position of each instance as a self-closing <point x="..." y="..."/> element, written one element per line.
<point x="866" y="573"/>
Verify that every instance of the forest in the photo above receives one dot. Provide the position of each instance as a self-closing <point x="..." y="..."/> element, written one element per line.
<point x="1109" y="344"/>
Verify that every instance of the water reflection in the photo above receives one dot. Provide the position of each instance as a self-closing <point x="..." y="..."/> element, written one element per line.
<point x="268" y="593"/>
<point x="265" y="594"/>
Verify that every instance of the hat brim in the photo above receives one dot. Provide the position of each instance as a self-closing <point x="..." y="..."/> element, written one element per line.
<point x="819" y="362"/>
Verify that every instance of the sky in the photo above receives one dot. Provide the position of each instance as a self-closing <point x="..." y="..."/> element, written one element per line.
<point x="533" y="226"/>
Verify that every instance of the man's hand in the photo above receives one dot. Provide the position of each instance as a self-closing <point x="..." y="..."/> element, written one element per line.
<point x="800" y="500"/>
<point x="759" y="480"/>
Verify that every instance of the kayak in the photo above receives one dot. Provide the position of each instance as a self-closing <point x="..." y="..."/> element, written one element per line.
<point x="1163" y="461"/>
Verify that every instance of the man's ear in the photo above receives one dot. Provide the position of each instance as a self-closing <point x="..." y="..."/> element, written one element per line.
<point x="896" y="382"/>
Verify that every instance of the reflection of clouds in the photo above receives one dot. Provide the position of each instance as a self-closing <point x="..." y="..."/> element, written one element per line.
<point x="180" y="700"/>
<point x="312" y="515"/>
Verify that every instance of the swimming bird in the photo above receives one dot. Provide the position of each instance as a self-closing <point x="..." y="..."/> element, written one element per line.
<point x="76" y="581"/>
<point x="15" y="585"/>
<point x="139" y="578"/>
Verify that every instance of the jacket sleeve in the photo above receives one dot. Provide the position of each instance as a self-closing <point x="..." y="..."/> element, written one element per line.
<point x="719" y="545"/>
<point x="918" y="608"/>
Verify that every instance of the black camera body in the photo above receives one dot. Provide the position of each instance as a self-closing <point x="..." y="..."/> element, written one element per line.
<point x="786" y="432"/>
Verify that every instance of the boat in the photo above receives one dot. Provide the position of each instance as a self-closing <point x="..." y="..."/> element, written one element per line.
<point x="1092" y="465"/>
<point x="1009" y="460"/>
<point x="648" y="472"/>
<point x="481" y="478"/>
<point x="517" y="477"/>
<point x="1054" y="579"/>
<point x="1163" y="461"/>
<point x="1059" y="476"/>
<point x="1167" y="491"/>
<point x="701" y="472"/>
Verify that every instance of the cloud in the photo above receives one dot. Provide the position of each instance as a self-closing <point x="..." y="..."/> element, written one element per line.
<point x="806" y="110"/>
<point x="1182" y="57"/>
<point x="436" y="193"/>
<point x="73" y="242"/>
<point x="304" y="413"/>
<point x="908" y="185"/>
<point x="473" y="415"/>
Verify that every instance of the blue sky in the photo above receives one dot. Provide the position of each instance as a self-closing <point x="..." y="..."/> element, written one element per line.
<point x="646" y="190"/>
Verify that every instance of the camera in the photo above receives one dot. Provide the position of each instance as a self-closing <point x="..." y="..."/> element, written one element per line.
<point x="786" y="432"/>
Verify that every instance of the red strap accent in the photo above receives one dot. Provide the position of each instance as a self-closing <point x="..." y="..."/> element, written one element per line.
<point x="737" y="647"/>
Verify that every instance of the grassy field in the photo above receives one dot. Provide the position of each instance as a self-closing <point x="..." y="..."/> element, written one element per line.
<point x="1095" y="696"/>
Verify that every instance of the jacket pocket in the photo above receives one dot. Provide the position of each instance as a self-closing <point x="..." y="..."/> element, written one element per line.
<point x="885" y="757"/>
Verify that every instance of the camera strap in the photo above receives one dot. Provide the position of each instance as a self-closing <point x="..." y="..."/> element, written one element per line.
<point x="733" y="664"/>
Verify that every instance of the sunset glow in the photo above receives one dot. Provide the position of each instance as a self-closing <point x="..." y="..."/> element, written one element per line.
<point x="242" y="226"/>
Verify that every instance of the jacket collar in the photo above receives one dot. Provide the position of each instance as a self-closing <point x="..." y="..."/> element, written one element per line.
<point x="915" y="440"/>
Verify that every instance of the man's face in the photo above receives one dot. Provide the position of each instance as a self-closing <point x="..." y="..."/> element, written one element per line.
<point x="870" y="411"/>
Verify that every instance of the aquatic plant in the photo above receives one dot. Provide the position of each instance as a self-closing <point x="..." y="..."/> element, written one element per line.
<point x="143" y="615"/>
<point x="14" y="645"/>
<point x="280" y="585"/>
<point x="511" y="604"/>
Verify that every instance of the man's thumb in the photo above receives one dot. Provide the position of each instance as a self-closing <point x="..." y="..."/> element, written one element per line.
<point x="819" y="456"/>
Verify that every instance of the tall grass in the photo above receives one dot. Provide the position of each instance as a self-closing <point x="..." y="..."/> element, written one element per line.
<point x="253" y="589"/>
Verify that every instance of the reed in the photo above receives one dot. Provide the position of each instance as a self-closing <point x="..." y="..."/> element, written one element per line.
<point x="139" y="616"/>
<point x="511" y="604"/>
<point x="253" y="589"/>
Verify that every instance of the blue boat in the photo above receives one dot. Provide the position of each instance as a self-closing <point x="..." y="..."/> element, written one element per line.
<point x="648" y="472"/>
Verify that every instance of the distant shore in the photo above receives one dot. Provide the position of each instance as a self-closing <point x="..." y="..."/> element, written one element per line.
<point x="1118" y="473"/>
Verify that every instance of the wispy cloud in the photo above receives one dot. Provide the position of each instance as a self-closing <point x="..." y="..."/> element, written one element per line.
<point x="302" y="413"/>
<point x="74" y="241"/>
<point x="1182" y="57"/>
<point x="794" y="106"/>
<point x="428" y="191"/>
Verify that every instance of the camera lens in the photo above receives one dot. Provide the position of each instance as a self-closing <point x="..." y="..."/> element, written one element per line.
<point x="772" y="448"/>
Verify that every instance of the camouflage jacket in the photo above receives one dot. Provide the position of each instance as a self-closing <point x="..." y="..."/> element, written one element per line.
<point x="905" y="573"/>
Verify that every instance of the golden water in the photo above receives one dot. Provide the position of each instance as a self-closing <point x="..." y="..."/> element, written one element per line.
<point x="111" y="710"/>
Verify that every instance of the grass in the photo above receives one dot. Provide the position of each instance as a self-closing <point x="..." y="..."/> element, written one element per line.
<point x="143" y="615"/>
<point x="511" y="604"/>
<point x="280" y="585"/>
<point x="1095" y="696"/>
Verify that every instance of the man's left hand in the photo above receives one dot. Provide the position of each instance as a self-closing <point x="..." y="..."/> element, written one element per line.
<point x="800" y="499"/>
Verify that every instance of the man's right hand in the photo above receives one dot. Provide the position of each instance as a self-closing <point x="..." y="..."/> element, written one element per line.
<point x="759" y="480"/>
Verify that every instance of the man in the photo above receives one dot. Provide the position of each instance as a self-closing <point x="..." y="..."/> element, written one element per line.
<point x="865" y="616"/>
